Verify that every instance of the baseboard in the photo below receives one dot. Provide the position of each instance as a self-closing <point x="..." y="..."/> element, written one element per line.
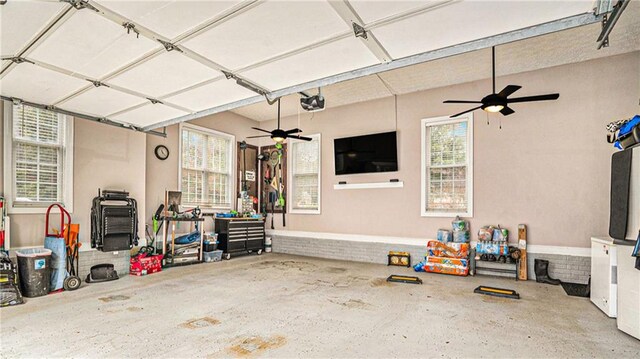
<point x="531" y="248"/>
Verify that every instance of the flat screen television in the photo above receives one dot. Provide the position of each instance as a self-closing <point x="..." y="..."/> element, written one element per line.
<point x="365" y="154"/>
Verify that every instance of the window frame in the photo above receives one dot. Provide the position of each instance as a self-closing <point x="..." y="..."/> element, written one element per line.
<point x="445" y="120"/>
<point x="9" y="166"/>
<point x="232" y="165"/>
<point x="290" y="176"/>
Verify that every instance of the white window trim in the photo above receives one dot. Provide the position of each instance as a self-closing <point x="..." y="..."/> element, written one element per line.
<point x="423" y="148"/>
<point x="67" y="174"/>
<point x="290" y="208"/>
<point x="232" y="175"/>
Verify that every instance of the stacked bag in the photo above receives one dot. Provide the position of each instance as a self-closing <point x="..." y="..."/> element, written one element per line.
<point x="450" y="253"/>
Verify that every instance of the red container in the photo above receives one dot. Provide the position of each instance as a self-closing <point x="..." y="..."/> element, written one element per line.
<point x="144" y="264"/>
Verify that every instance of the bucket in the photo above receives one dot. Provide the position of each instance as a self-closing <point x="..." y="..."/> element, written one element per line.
<point x="267" y="244"/>
<point x="34" y="270"/>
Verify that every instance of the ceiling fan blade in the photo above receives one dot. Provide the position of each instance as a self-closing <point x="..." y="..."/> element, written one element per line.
<point x="300" y="138"/>
<point x="259" y="129"/>
<point x="552" y="96"/>
<point x="508" y="90"/>
<point x="506" y="111"/>
<point x="294" y="130"/>
<point x="259" y="136"/>
<point x="462" y="113"/>
<point x="461" y="101"/>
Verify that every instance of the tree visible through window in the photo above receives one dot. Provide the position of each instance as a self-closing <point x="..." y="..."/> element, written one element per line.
<point x="446" y="167"/>
<point x="206" y="168"/>
<point x="38" y="146"/>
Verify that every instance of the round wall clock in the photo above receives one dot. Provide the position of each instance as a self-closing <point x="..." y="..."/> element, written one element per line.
<point x="162" y="152"/>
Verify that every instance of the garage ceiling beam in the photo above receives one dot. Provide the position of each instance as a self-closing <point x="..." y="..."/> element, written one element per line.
<point x="610" y="22"/>
<point x="351" y="17"/>
<point x="512" y="36"/>
<point x="84" y="116"/>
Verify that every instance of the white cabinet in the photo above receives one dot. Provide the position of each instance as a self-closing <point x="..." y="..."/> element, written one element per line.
<point x="604" y="275"/>
<point x="628" y="292"/>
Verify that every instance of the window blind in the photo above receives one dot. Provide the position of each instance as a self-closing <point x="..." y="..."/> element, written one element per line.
<point x="38" y="152"/>
<point x="206" y="169"/>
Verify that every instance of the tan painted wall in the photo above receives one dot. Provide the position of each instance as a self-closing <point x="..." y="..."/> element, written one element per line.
<point x="547" y="167"/>
<point x="163" y="175"/>
<point x="104" y="157"/>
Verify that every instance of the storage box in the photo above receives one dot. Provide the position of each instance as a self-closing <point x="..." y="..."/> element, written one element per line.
<point x="215" y="256"/>
<point x="145" y="264"/>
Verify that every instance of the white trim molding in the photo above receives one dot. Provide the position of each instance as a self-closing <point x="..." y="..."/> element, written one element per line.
<point x="531" y="248"/>
<point x="232" y="166"/>
<point x="66" y="186"/>
<point x="290" y="170"/>
<point x="434" y="121"/>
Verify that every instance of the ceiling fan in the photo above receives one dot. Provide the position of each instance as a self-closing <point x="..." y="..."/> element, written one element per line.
<point x="499" y="102"/>
<point x="280" y="135"/>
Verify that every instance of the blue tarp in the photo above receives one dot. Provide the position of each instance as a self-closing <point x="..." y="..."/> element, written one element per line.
<point x="58" y="261"/>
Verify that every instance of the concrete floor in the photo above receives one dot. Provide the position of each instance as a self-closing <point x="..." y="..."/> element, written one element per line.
<point x="285" y="306"/>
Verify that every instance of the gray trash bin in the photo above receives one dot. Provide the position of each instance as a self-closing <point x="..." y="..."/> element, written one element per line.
<point x="34" y="271"/>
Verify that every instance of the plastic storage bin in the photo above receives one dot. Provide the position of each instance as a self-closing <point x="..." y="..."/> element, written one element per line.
<point x="34" y="270"/>
<point x="215" y="256"/>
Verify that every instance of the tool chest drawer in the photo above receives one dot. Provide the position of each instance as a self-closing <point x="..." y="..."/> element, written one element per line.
<point x="240" y="234"/>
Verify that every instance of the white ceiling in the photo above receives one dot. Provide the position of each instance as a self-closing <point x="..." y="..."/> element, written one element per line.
<point x="559" y="48"/>
<point x="272" y="44"/>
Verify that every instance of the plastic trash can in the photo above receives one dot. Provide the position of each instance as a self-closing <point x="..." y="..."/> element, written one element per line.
<point x="34" y="271"/>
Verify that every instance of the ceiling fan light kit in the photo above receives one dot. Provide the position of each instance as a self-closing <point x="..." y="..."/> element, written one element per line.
<point x="279" y="135"/>
<point x="499" y="102"/>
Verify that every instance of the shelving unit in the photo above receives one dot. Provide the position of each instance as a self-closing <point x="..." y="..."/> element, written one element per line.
<point x="398" y="184"/>
<point x="166" y="231"/>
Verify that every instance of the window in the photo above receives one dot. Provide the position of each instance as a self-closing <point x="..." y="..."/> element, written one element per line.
<point x="447" y="166"/>
<point x="304" y="157"/>
<point x="38" y="158"/>
<point x="206" y="167"/>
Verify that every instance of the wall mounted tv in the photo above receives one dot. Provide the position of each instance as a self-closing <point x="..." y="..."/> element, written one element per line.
<point x="365" y="154"/>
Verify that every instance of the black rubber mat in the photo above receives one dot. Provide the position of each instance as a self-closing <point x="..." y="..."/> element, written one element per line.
<point x="620" y="182"/>
<point x="576" y="289"/>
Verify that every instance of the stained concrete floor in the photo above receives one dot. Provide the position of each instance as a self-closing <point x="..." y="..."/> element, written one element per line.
<point x="287" y="306"/>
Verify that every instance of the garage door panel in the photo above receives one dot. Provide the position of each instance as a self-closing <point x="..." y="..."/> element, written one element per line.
<point x="267" y="30"/>
<point x="214" y="94"/>
<point x="334" y="58"/>
<point x="166" y="73"/>
<point x="149" y="114"/>
<point x="91" y="45"/>
<point x="30" y="17"/>
<point x="36" y="84"/>
<point x="101" y="101"/>
<point x="467" y="21"/>
<point x="169" y="18"/>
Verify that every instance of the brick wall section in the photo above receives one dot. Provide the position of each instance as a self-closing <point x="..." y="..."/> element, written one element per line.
<point x="343" y="250"/>
<point x="572" y="269"/>
<point x="119" y="259"/>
